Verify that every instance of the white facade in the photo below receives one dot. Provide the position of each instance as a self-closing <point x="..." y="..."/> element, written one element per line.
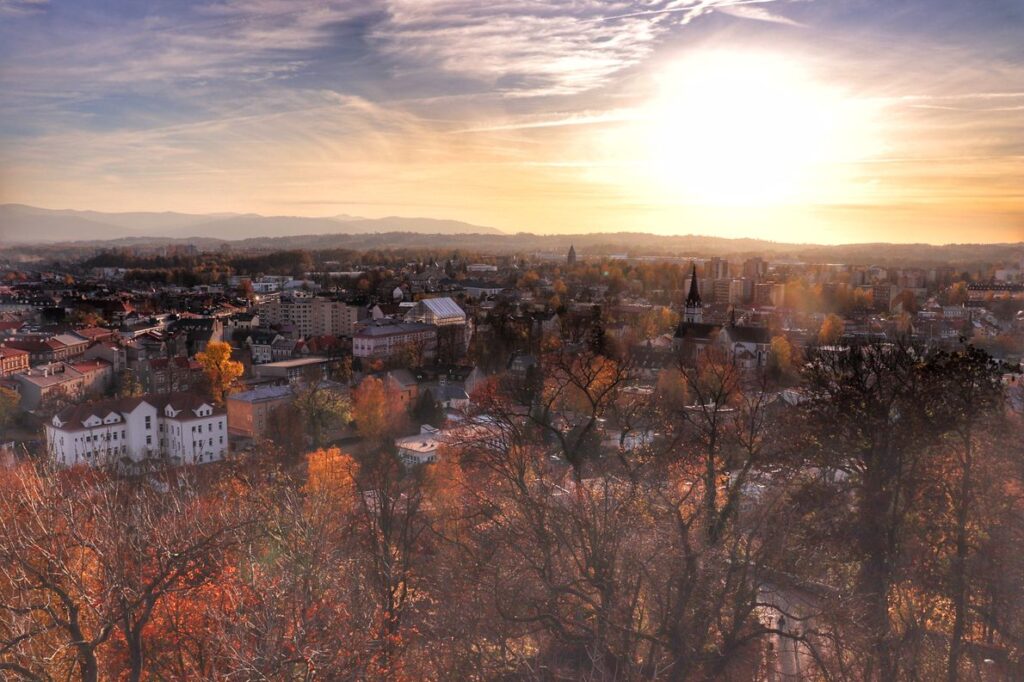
<point x="385" y="340"/>
<point x="178" y="429"/>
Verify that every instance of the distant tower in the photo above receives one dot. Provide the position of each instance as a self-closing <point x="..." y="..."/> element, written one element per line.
<point x="693" y="311"/>
<point x="571" y="258"/>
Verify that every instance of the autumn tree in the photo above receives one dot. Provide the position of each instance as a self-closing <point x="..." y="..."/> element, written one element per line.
<point x="871" y="413"/>
<point x="221" y="371"/>
<point x="973" y="398"/>
<point x="9" y="401"/>
<point x="831" y="331"/>
<point x="780" y="356"/>
<point x="376" y="410"/>
<point x="321" y="405"/>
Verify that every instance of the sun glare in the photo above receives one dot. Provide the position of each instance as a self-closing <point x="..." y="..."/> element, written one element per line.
<point x="746" y="129"/>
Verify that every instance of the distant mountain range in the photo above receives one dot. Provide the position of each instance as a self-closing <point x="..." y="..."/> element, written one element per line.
<point x="20" y="224"/>
<point x="37" y="232"/>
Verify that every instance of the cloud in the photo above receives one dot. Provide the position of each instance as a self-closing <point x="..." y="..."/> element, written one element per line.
<point x="557" y="121"/>
<point x="518" y="48"/>
<point x="757" y="14"/>
<point x="16" y="7"/>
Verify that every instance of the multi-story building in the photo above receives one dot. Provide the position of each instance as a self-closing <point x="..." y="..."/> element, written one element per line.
<point x="387" y="338"/>
<point x="177" y="428"/>
<point x="13" y="361"/>
<point x="42" y="385"/>
<point x="769" y="293"/>
<point x="249" y="412"/>
<point x="717" y="268"/>
<point x="52" y="348"/>
<point x="728" y="291"/>
<point x="313" y="316"/>
<point x="755" y="268"/>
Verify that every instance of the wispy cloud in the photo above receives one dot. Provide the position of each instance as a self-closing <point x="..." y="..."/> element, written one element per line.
<point x="745" y="11"/>
<point x="540" y="48"/>
<point x="558" y="121"/>
<point x="16" y="7"/>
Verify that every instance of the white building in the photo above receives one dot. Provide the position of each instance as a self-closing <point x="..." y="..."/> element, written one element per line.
<point x="386" y="338"/>
<point x="177" y="428"/>
<point x="419" y="449"/>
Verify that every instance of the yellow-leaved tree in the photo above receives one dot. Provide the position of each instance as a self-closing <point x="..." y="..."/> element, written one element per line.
<point x="831" y="330"/>
<point x="221" y="371"/>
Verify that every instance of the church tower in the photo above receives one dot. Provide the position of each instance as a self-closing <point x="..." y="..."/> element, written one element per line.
<point x="693" y="311"/>
<point x="571" y="258"/>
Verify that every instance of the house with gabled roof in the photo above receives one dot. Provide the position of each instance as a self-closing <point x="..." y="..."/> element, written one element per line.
<point x="175" y="428"/>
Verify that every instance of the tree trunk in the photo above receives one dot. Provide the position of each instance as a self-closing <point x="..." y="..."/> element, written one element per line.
<point x="959" y="569"/>
<point x="875" y="578"/>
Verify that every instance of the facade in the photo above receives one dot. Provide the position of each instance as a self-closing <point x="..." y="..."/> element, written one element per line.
<point x="769" y="294"/>
<point x="13" y="361"/>
<point x="55" y="380"/>
<point x="728" y="291"/>
<point x="717" y="268"/>
<point x="249" y="411"/>
<point x="177" y="428"/>
<point x="478" y="289"/>
<point x="291" y="370"/>
<point x="313" y="316"/>
<point x="387" y="338"/>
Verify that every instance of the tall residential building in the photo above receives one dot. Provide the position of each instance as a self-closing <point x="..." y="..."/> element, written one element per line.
<point x="717" y="268"/>
<point x="313" y="316"/>
<point x="769" y="294"/>
<point x="728" y="291"/>
<point x="755" y="268"/>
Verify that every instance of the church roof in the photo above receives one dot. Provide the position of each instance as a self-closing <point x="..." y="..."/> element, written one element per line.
<point x="697" y="330"/>
<point x="745" y="334"/>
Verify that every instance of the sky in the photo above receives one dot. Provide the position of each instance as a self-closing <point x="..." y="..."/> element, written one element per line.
<point x="826" y="121"/>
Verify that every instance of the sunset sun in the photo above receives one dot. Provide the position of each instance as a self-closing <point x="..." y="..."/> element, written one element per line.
<point x="747" y="129"/>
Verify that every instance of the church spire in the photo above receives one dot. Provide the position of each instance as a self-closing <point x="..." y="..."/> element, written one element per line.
<point x="694" y="296"/>
<point x="693" y="310"/>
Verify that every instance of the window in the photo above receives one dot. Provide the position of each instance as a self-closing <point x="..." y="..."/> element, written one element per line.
<point x="149" y="422"/>
<point x="222" y="440"/>
<point x="149" y="440"/>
